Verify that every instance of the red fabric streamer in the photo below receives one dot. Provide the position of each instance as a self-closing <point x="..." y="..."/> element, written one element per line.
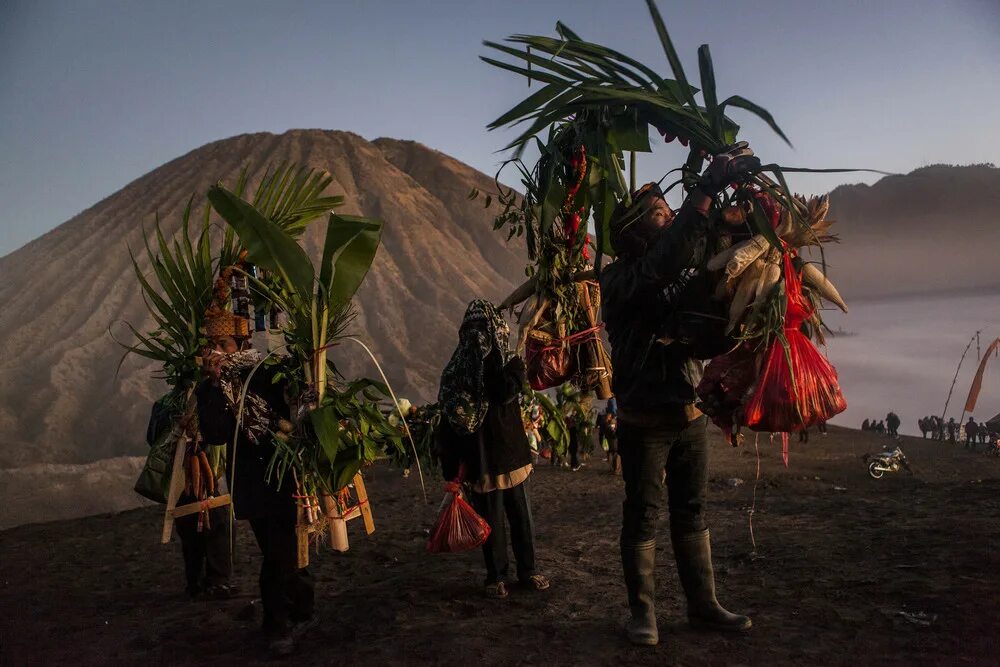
<point x="458" y="528"/>
<point x="798" y="387"/>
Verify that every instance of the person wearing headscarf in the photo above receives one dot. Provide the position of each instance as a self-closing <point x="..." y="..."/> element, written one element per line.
<point x="654" y="302"/>
<point x="482" y="440"/>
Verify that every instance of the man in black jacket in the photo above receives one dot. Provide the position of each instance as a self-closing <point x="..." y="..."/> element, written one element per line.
<point x="656" y="307"/>
<point x="286" y="590"/>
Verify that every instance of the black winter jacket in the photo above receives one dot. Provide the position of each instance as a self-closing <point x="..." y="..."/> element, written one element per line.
<point x="253" y="496"/>
<point x="664" y="295"/>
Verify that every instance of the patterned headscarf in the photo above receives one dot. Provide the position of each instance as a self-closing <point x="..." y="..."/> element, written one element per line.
<point x="462" y="395"/>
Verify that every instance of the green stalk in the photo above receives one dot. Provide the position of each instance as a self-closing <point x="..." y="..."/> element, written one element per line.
<point x="631" y="172"/>
<point x="316" y="345"/>
<point x="321" y="355"/>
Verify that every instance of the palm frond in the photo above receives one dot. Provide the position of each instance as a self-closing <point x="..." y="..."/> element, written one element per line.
<point x="177" y="290"/>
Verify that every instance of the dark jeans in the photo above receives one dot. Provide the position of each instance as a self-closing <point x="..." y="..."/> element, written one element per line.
<point x="574" y="452"/>
<point x="285" y="590"/>
<point x="208" y="554"/>
<point x="493" y="506"/>
<point x="645" y="452"/>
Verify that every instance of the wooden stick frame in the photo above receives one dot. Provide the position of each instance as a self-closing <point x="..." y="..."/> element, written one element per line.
<point x="336" y="522"/>
<point x="177" y="478"/>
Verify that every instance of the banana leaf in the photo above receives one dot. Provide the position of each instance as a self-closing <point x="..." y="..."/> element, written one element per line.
<point x="348" y="252"/>
<point x="267" y="245"/>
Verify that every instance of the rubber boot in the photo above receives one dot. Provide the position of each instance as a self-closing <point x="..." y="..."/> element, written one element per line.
<point x="694" y="566"/>
<point x="637" y="563"/>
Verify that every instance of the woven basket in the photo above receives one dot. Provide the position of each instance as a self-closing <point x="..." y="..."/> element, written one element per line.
<point x="225" y="325"/>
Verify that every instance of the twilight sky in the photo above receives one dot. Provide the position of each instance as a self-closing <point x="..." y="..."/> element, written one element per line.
<point x="95" y="93"/>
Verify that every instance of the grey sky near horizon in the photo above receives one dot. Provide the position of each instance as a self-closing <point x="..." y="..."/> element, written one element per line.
<point x="95" y="93"/>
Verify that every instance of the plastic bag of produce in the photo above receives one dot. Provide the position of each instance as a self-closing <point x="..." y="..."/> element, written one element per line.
<point x="798" y="387"/>
<point x="548" y="362"/>
<point x="458" y="527"/>
<point x="725" y="384"/>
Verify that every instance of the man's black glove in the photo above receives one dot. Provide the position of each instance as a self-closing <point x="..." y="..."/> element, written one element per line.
<point x="733" y="165"/>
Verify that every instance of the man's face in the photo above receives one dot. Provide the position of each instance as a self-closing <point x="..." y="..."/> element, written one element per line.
<point x="658" y="215"/>
<point x="214" y="353"/>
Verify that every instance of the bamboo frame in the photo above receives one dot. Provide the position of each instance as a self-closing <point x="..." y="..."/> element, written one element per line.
<point x="177" y="479"/>
<point x="601" y="361"/>
<point x="527" y="288"/>
<point x="336" y="522"/>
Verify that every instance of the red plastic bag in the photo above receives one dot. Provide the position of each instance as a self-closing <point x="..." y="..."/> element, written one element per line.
<point x="798" y="387"/>
<point x="548" y="365"/>
<point x="725" y="385"/>
<point x="458" y="528"/>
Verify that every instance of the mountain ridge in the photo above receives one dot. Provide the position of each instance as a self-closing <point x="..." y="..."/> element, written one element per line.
<point x="60" y="401"/>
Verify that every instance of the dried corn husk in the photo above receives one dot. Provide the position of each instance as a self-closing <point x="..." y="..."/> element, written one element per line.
<point x="723" y="291"/>
<point x="744" y="293"/>
<point x="769" y="277"/>
<point x="818" y="208"/>
<point x="720" y="259"/>
<point x="734" y="215"/>
<point x="813" y="277"/>
<point x="745" y="254"/>
<point x="798" y="235"/>
<point x="786" y="225"/>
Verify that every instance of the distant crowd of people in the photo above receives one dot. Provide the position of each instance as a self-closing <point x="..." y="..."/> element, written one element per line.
<point x="582" y="422"/>
<point x="888" y="426"/>
<point x="970" y="432"/>
<point x="937" y="428"/>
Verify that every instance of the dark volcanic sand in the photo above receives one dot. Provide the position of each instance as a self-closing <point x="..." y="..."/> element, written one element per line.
<point x="833" y="572"/>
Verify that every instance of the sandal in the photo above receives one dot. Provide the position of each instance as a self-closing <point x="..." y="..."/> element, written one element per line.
<point x="497" y="591"/>
<point x="538" y="582"/>
<point x="221" y="591"/>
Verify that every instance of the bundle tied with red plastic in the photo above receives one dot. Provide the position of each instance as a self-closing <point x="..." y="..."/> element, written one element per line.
<point x="788" y="387"/>
<point x="459" y="527"/>
<point x="558" y="350"/>
<point x="798" y="387"/>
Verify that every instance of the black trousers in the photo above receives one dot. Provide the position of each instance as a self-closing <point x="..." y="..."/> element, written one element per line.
<point x="645" y="452"/>
<point x="515" y="505"/>
<point x="207" y="554"/>
<point x="285" y="589"/>
<point x="574" y="451"/>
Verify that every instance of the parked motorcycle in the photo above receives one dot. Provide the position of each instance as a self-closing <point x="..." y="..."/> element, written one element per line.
<point x="888" y="461"/>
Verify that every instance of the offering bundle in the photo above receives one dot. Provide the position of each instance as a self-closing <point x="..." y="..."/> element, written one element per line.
<point x="328" y="428"/>
<point x="335" y="427"/>
<point x="775" y="379"/>
<point x="597" y="105"/>
<point x="560" y="323"/>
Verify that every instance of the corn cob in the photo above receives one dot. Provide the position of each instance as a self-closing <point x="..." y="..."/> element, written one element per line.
<point x="813" y="277"/>
<point x="744" y="293"/>
<point x="745" y="255"/>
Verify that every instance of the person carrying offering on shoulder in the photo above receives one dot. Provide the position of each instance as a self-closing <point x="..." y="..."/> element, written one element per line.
<point x="652" y="294"/>
<point x="483" y="441"/>
<point x="286" y="590"/>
